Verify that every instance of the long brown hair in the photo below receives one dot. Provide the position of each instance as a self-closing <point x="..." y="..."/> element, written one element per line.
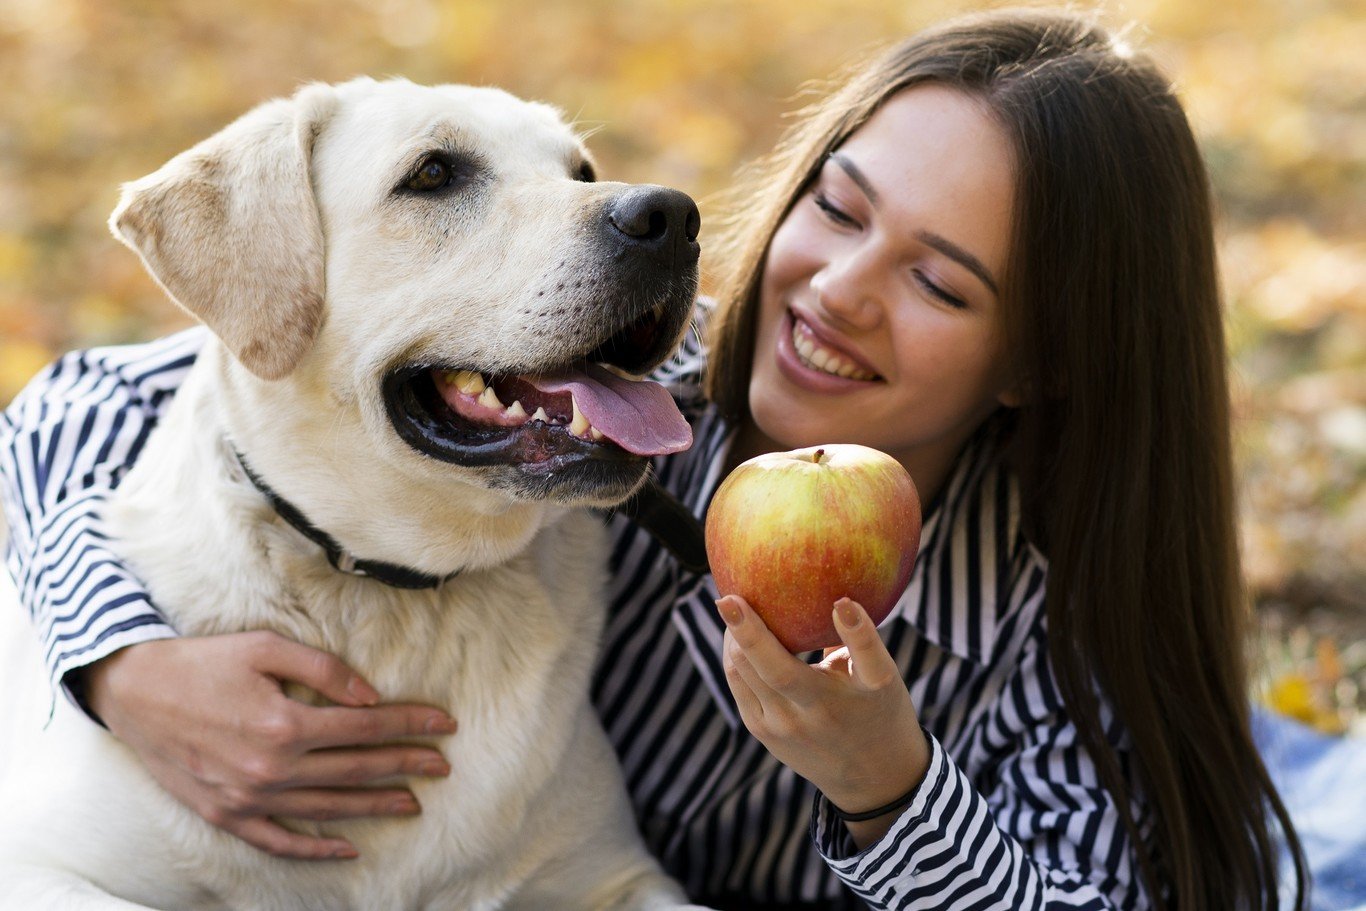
<point x="1122" y="447"/>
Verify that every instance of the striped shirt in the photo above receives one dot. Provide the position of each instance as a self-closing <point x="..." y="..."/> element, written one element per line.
<point x="1010" y="814"/>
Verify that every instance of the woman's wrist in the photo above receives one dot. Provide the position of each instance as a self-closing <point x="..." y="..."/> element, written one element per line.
<point x="868" y="812"/>
<point x="89" y="685"/>
<point x="93" y="684"/>
<point x="896" y="805"/>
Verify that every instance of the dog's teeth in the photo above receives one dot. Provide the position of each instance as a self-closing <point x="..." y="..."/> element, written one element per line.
<point x="541" y="416"/>
<point x="489" y="399"/>
<point x="579" y="426"/>
<point x="595" y="434"/>
<point x="515" y="410"/>
<point x="469" y="382"/>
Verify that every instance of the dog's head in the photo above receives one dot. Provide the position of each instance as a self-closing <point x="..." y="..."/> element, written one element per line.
<point x="440" y="261"/>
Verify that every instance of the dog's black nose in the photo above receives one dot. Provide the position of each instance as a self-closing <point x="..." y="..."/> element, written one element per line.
<point x="657" y="218"/>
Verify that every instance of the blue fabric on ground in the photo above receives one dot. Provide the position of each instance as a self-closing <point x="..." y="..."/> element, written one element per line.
<point x="1322" y="780"/>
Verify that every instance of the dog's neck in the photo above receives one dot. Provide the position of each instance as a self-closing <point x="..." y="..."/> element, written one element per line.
<point x="217" y="557"/>
<point x="346" y="472"/>
<point x="341" y="559"/>
<point x="319" y="457"/>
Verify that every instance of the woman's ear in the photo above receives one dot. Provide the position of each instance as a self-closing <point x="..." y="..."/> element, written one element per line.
<point x="230" y="229"/>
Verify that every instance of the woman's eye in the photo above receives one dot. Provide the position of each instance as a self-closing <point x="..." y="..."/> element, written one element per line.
<point x="832" y="211"/>
<point x="935" y="291"/>
<point x="432" y="174"/>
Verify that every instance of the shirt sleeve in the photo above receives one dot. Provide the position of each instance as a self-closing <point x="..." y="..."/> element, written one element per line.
<point x="66" y="442"/>
<point x="1038" y="832"/>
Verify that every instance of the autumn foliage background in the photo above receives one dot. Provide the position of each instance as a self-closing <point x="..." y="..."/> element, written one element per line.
<point x="683" y="92"/>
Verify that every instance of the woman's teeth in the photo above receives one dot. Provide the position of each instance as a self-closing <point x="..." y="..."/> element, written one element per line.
<point x="823" y="359"/>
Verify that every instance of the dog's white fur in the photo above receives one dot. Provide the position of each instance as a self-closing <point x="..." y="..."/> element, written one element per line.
<point x="320" y="279"/>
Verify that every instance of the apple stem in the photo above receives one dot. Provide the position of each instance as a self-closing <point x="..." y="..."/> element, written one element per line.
<point x="817" y="457"/>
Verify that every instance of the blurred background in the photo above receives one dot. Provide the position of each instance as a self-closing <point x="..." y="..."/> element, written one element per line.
<point x="684" y="92"/>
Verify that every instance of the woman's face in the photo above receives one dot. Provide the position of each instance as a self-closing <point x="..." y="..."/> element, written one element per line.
<point x="879" y="314"/>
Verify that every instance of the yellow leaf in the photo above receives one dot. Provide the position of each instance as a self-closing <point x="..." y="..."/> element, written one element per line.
<point x="1292" y="696"/>
<point x="20" y="360"/>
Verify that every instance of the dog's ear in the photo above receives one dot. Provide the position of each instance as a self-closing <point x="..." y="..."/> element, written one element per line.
<point x="230" y="229"/>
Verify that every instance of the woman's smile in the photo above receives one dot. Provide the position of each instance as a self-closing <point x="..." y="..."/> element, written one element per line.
<point x="812" y="359"/>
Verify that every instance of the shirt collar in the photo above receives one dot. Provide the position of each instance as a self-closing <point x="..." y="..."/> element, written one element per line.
<point x="970" y="539"/>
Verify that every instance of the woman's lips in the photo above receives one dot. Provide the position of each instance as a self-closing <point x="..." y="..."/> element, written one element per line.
<point x="798" y="369"/>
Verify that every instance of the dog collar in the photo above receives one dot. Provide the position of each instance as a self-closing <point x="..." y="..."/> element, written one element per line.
<point x="390" y="574"/>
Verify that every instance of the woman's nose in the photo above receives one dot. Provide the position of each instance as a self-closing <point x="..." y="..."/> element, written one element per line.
<point x="848" y="290"/>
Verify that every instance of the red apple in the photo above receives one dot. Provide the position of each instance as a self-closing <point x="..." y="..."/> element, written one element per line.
<point x="793" y="532"/>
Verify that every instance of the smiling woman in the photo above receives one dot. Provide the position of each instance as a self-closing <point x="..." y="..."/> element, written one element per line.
<point x="1004" y="227"/>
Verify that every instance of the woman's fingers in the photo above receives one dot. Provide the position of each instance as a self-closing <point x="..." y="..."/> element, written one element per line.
<point x="325" y="673"/>
<point x="269" y="836"/>
<point x="253" y="827"/>
<point x="871" y="666"/>
<point x="767" y="665"/>
<point x="742" y="680"/>
<point x="354" y="768"/>
<point x="208" y="717"/>
<point x="337" y="726"/>
<point x="321" y="805"/>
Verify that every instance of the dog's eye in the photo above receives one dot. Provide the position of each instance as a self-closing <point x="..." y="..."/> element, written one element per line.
<point x="586" y="173"/>
<point x="432" y="174"/>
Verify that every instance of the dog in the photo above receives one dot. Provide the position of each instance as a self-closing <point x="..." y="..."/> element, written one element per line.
<point x="428" y="323"/>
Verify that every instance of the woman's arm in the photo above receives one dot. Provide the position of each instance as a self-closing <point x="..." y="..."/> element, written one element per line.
<point x="1044" y="836"/>
<point x="66" y="442"/>
<point x="208" y="716"/>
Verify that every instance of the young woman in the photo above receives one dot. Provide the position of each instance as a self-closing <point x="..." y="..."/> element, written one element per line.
<point x="988" y="252"/>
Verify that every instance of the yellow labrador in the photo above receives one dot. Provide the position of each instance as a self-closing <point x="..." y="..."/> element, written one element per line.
<point x="426" y="322"/>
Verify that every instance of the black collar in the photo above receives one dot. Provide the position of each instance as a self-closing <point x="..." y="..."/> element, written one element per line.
<point x="390" y="574"/>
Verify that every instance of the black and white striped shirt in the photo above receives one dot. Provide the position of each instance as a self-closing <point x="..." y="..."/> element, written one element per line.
<point x="1010" y="815"/>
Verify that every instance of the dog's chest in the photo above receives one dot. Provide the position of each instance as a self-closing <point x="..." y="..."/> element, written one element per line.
<point x="508" y="653"/>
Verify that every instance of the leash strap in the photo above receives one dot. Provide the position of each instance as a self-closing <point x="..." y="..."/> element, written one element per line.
<point x="670" y="523"/>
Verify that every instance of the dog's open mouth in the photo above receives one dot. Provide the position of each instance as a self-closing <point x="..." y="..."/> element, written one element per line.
<point x="586" y="410"/>
<point x="586" y="401"/>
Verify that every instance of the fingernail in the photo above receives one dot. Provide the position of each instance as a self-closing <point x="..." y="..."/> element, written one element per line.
<point x="849" y="615"/>
<point x="345" y="852"/>
<point x="730" y="611"/>
<point x="404" y="806"/>
<point x="434" y="767"/>
<point x="440" y="724"/>
<point x="362" y="692"/>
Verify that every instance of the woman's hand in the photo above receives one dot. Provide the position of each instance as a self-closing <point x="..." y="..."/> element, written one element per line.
<point x="209" y="718"/>
<point x="847" y="725"/>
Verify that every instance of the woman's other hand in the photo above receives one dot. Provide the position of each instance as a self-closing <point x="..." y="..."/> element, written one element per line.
<point x="847" y="724"/>
<point x="209" y="718"/>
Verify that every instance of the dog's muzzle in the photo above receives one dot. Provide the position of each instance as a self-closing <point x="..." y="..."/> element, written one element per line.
<point x="584" y="427"/>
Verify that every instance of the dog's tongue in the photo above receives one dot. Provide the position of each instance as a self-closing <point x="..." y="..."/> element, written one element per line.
<point x="638" y="415"/>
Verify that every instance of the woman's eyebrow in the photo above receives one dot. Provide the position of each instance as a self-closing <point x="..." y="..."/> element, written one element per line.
<point x="929" y="238"/>
<point x="855" y="175"/>
<point x="960" y="256"/>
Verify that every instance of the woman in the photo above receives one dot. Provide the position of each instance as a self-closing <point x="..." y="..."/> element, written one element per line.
<point x="988" y="252"/>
